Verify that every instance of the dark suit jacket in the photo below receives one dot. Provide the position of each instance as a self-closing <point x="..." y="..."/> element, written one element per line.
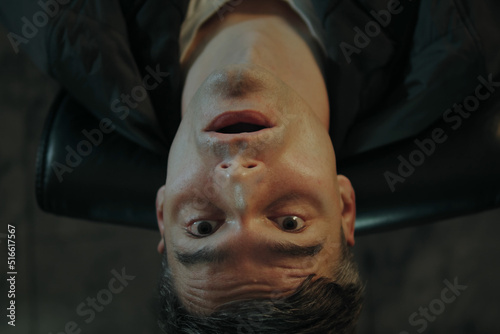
<point x="385" y="83"/>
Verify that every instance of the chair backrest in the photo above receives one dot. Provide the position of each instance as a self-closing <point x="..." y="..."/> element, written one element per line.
<point x="443" y="172"/>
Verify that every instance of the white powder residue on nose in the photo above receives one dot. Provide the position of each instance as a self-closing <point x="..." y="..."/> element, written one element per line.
<point x="239" y="198"/>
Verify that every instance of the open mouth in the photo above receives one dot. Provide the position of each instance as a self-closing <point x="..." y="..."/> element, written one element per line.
<point x="241" y="127"/>
<point x="232" y="122"/>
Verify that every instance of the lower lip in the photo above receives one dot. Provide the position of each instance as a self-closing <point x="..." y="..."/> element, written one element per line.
<point x="244" y="116"/>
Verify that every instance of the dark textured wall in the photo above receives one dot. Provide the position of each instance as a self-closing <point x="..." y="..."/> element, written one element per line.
<point x="61" y="262"/>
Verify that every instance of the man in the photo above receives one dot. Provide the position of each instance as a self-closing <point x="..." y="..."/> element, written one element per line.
<point x="255" y="221"/>
<point x="252" y="212"/>
<point x="252" y="206"/>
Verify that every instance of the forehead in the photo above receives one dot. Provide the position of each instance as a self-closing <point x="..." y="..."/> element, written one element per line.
<point x="207" y="286"/>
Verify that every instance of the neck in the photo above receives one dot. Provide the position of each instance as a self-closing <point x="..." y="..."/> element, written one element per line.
<point x="270" y="35"/>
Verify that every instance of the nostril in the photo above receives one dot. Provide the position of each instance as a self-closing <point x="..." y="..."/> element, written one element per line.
<point x="230" y="165"/>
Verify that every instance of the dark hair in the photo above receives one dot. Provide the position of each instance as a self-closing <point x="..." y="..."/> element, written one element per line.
<point x="320" y="306"/>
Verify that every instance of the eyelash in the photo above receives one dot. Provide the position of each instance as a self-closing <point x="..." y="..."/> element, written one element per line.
<point x="191" y="234"/>
<point x="292" y="231"/>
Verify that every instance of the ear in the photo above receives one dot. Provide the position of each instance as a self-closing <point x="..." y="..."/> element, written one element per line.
<point x="347" y="207"/>
<point x="160" y="198"/>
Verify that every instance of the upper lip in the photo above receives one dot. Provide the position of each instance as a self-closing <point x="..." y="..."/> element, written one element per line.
<point x="239" y="121"/>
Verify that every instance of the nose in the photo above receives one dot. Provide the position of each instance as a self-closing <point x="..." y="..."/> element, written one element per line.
<point x="239" y="175"/>
<point x="239" y="180"/>
<point x="238" y="169"/>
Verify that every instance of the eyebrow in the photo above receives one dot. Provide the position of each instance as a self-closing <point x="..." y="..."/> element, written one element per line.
<point x="213" y="255"/>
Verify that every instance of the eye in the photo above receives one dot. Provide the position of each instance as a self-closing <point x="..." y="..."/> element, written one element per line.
<point x="291" y="223"/>
<point x="202" y="228"/>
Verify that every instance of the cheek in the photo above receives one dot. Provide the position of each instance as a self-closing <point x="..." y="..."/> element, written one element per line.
<point x="182" y="143"/>
<point x="184" y="166"/>
<point x="175" y="158"/>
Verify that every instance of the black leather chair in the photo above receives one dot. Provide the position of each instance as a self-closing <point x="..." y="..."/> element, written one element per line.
<point x="117" y="181"/>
